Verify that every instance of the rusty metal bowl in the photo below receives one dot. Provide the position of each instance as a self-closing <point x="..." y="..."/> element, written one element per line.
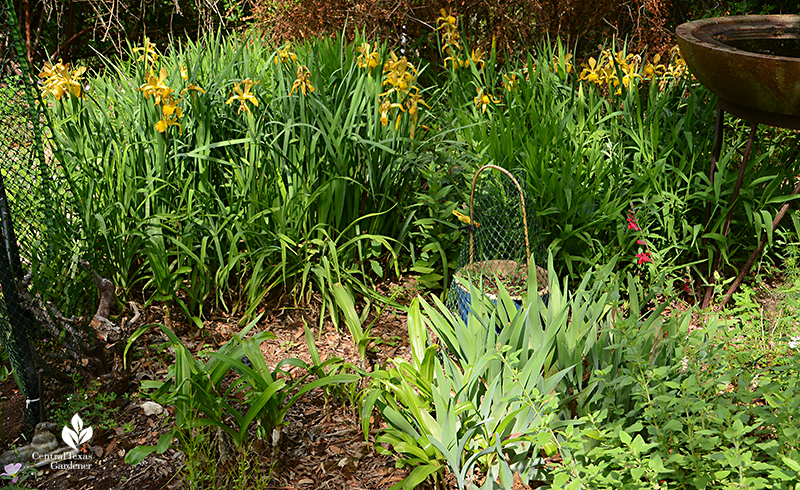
<point x="722" y="53"/>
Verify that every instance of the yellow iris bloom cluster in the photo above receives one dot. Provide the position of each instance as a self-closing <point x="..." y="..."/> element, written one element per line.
<point x="607" y="70"/>
<point x="401" y="76"/>
<point x="59" y="80"/>
<point x="611" y="65"/>
<point x="676" y="69"/>
<point x="303" y="80"/>
<point x="162" y="95"/>
<point x="451" y="47"/>
<point x="451" y="44"/>
<point x="156" y="87"/>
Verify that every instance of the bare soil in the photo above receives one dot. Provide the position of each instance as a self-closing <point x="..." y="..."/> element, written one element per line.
<point x="12" y="403"/>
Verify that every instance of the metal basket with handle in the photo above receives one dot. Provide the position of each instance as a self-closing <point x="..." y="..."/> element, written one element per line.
<point x="498" y="249"/>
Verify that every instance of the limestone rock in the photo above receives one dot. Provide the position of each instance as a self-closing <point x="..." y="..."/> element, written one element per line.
<point x="152" y="408"/>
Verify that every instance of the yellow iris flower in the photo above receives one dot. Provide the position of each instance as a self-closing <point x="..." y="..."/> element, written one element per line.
<point x="243" y="96"/>
<point x="630" y="74"/>
<point x="477" y="58"/>
<point x="170" y="108"/>
<point x="192" y="86"/>
<point x="450" y="37"/>
<point x="164" y="124"/>
<point x="149" y="54"/>
<point x="400" y="74"/>
<point x="368" y="58"/>
<point x="170" y="113"/>
<point x="567" y="63"/>
<point x="156" y="86"/>
<point x="511" y="81"/>
<point x="465" y="219"/>
<point x="385" y="108"/>
<point x="413" y="101"/>
<point x="654" y="69"/>
<point x="446" y="21"/>
<point x="284" y="55"/>
<point x="412" y="104"/>
<point x="592" y="72"/>
<point x="452" y="57"/>
<point x="483" y="99"/>
<point x="59" y="81"/>
<point x="677" y="65"/>
<point x="303" y="81"/>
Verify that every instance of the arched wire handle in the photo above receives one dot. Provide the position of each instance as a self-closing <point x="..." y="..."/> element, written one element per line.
<point x="472" y="217"/>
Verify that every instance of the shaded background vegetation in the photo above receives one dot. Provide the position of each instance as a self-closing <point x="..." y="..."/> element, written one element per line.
<point x="79" y="29"/>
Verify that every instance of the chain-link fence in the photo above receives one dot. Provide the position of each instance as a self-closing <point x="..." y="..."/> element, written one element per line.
<point x="38" y="255"/>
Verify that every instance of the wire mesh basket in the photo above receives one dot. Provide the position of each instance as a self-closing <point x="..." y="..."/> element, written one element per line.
<point x="503" y="238"/>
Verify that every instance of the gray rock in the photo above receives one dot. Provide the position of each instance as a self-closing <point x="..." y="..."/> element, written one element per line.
<point x="152" y="408"/>
<point x="43" y="442"/>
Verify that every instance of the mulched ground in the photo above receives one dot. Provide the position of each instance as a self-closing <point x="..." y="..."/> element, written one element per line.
<point x="321" y="445"/>
<point x="12" y="402"/>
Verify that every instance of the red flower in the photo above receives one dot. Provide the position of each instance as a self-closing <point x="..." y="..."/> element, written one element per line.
<point x="641" y="242"/>
<point x="632" y="223"/>
<point x="687" y="288"/>
<point x="644" y="257"/>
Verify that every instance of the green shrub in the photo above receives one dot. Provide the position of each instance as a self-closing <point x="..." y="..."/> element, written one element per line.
<point x="498" y="394"/>
<point x="704" y="420"/>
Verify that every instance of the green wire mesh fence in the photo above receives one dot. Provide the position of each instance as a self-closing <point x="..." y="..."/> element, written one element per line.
<point x="38" y="256"/>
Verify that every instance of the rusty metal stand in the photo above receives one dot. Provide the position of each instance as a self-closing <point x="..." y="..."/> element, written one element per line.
<point x="754" y="117"/>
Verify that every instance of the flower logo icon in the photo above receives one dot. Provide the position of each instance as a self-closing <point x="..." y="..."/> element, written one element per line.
<point x="77" y="435"/>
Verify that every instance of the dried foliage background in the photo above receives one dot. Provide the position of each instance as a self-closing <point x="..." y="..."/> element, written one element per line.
<point x="80" y="28"/>
<point x="515" y="24"/>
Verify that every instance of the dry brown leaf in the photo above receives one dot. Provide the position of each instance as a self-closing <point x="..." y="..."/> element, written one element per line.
<point x="110" y="448"/>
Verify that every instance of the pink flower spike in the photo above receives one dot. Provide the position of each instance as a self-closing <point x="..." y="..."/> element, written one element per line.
<point x="641" y="242"/>
<point x="632" y="223"/>
<point x="644" y="257"/>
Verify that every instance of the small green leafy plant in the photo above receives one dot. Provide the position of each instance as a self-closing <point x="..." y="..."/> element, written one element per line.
<point x="201" y="469"/>
<point x="480" y="403"/>
<point x="257" y="393"/>
<point x="96" y="407"/>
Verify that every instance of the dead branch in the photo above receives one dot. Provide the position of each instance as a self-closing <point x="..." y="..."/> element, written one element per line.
<point x="106" y="289"/>
<point x="96" y="353"/>
<point x="51" y="319"/>
<point x="136" y="315"/>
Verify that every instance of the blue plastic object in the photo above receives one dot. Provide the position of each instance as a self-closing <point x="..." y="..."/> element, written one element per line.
<point x="464" y="302"/>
